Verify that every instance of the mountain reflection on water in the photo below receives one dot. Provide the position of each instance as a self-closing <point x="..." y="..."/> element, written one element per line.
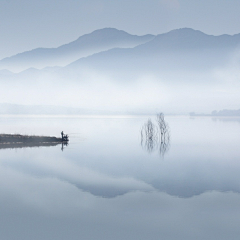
<point x="105" y="185"/>
<point x="192" y="168"/>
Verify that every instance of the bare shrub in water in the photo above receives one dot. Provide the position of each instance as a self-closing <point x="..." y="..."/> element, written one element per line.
<point x="156" y="136"/>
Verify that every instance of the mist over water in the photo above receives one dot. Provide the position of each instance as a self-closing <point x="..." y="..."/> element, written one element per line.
<point x="147" y="94"/>
<point x="105" y="184"/>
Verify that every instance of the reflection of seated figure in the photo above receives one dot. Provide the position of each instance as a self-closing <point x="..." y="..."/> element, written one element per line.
<point x="64" y="144"/>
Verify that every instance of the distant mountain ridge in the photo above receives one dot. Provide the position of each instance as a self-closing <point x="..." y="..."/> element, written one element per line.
<point x="88" y="44"/>
<point x="182" y="49"/>
<point x="17" y="109"/>
<point x="114" y="51"/>
<point x="187" y="38"/>
<point x="111" y="44"/>
<point x="226" y="112"/>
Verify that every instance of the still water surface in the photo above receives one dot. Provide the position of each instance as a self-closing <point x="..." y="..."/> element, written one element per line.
<point x="105" y="185"/>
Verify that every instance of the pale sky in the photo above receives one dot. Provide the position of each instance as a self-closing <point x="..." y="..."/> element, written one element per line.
<point x="28" y="24"/>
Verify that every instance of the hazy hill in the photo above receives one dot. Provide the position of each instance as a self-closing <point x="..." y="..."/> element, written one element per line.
<point x="187" y="38"/>
<point x="5" y="72"/>
<point x="7" y="108"/>
<point x="15" y="109"/>
<point x="18" y="109"/>
<point x="97" y="41"/>
<point x="226" y="112"/>
<point x="182" y="49"/>
<point x="176" y="53"/>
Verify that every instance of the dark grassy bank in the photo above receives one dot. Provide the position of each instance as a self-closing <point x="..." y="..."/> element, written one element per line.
<point x="17" y="138"/>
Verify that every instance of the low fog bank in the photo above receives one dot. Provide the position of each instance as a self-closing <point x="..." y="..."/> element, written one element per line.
<point x="96" y="92"/>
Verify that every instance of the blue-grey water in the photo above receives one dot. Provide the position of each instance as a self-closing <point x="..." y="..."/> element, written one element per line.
<point x="106" y="185"/>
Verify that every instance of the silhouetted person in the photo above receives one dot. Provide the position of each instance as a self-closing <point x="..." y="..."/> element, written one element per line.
<point x="62" y="135"/>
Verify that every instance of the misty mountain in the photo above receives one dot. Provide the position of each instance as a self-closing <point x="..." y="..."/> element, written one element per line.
<point x="7" y="108"/>
<point x="97" y="41"/>
<point x="226" y="112"/>
<point x="182" y="49"/>
<point x="187" y="38"/>
<point x="18" y="109"/>
<point x="5" y="72"/>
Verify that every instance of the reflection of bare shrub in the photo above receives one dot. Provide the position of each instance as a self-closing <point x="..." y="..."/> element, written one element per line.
<point x="156" y="136"/>
<point x="149" y="136"/>
<point x="149" y="130"/>
<point x="164" y="146"/>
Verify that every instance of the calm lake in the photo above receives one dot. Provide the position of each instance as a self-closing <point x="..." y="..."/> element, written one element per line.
<point x="108" y="185"/>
